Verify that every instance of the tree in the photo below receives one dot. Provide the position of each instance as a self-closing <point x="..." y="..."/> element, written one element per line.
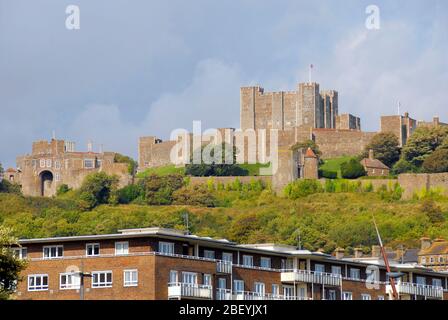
<point x="132" y="164"/>
<point x="352" y="169"/>
<point x="10" y="265"/>
<point x="386" y="148"/>
<point x="422" y="143"/>
<point x="404" y="166"/>
<point x="97" y="189"/>
<point x="437" y="162"/>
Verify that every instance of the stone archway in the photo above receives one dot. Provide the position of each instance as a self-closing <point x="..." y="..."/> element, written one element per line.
<point x="46" y="183"/>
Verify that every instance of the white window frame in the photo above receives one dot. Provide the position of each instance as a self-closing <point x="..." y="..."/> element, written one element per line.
<point x="207" y="280"/>
<point x="124" y="248"/>
<point x="132" y="282"/>
<point x="187" y="276"/>
<point x="334" y="268"/>
<point x="420" y="280"/>
<point x="238" y="286"/>
<point x="163" y="244"/>
<point x="174" y="275"/>
<point x="42" y="163"/>
<point x="437" y="282"/>
<point x="18" y="252"/>
<point x="248" y="258"/>
<point x="48" y="163"/>
<point x="226" y="255"/>
<point x="275" y="290"/>
<point x="259" y="285"/>
<point x="355" y="274"/>
<point x="332" y="295"/>
<point x="57" y="164"/>
<point x="49" y="252"/>
<point x="104" y="284"/>
<point x="70" y="285"/>
<point x="288" y="291"/>
<point x="347" y="295"/>
<point x="265" y="259"/>
<point x="319" y="268"/>
<point x="92" y="245"/>
<point x="40" y="287"/>
<point x="88" y="167"/>
<point x="57" y="176"/>
<point x="380" y="298"/>
<point x="366" y="296"/>
<point x="209" y="254"/>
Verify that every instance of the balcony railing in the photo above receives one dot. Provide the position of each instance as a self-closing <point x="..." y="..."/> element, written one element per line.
<point x="224" y="267"/>
<point x="418" y="290"/>
<point x="329" y="279"/>
<point x="226" y="294"/>
<point x="180" y="290"/>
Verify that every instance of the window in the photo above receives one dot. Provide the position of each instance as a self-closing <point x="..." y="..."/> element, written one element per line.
<point x="332" y="295"/>
<point x="336" y="270"/>
<point x="319" y="268"/>
<point x="92" y="249"/>
<point x="423" y="260"/>
<point x="166" y="247"/>
<point x="441" y="259"/>
<point x="238" y="286"/>
<point x="101" y="279"/>
<point x="174" y="276"/>
<point x="190" y="278"/>
<point x="365" y="296"/>
<point x="42" y="163"/>
<point x="51" y="252"/>
<point x="57" y="176"/>
<point x="227" y="257"/>
<point x="347" y="295"/>
<point x="209" y="254"/>
<point x="265" y="262"/>
<point x="437" y="282"/>
<point x="380" y="297"/>
<point x="222" y="283"/>
<point x="248" y="261"/>
<point x="130" y="278"/>
<point x="48" y="163"/>
<point x="21" y="253"/>
<point x="37" y="282"/>
<point x="421" y="280"/>
<point x="69" y="281"/>
<point x="431" y="260"/>
<point x="121" y="248"/>
<point x="57" y="164"/>
<point x="287" y="264"/>
<point x="259" y="288"/>
<point x="372" y="275"/>
<point x="89" y="163"/>
<point x="288" y="291"/>
<point x="207" y="280"/>
<point x="275" y="290"/>
<point x="355" y="274"/>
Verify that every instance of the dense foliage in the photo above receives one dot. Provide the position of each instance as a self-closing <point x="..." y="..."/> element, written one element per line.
<point x="436" y="162"/>
<point x="132" y="164"/>
<point x="10" y="265"/>
<point x="352" y="169"/>
<point x="386" y="148"/>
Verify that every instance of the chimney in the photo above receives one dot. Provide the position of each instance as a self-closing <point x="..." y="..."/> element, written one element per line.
<point x="358" y="252"/>
<point x="339" y="253"/>
<point x="425" y="243"/>
<point x="376" y="251"/>
<point x="371" y="154"/>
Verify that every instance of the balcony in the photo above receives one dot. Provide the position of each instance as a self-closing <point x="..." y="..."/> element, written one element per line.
<point x="224" y="267"/>
<point x="258" y="296"/>
<point x="328" y="279"/>
<point x="404" y="288"/>
<point x="179" y="290"/>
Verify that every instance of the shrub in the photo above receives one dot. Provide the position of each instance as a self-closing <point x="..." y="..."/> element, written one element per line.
<point x="352" y="169"/>
<point x="8" y="187"/>
<point x="302" y="188"/>
<point x="432" y="211"/>
<point x="403" y="166"/>
<point x="328" y="174"/>
<point x="62" y="189"/>
<point x="96" y="189"/>
<point x="437" y="162"/>
<point x="129" y="193"/>
<point x="132" y="164"/>
<point x="386" y="148"/>
<point x="195" y="196"/>
<point x="330" y="186"/>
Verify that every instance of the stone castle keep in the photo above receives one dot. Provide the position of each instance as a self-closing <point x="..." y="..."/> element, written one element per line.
<point x="305" y="114"/>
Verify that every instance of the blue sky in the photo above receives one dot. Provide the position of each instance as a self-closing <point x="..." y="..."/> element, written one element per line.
<point x="146" y="67"/>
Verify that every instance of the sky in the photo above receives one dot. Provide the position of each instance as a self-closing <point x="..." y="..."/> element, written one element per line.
<point x="139" y="68"/>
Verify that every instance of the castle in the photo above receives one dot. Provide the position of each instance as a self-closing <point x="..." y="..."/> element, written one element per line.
<point x="52" y="164"/>
<point x="296" y="116"/>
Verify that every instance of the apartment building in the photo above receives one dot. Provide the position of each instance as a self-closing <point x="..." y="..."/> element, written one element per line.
<point x="160" y="264"/>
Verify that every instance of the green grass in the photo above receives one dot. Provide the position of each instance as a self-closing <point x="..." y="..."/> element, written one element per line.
<point x="334" y="165"/>
<point x="254" y="169"/>
<point x="162" y="171"/>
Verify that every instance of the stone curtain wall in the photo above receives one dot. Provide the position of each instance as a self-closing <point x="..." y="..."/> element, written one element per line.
<point x="228" y="180"/>
<point x="413" y="183"/>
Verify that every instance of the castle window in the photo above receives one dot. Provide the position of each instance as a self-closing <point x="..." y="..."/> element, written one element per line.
<point x="89" y="163"/>
<point x="48" y="163"/>
<point x="57" y="164"/>
<point x="57" y="176"/>
<point x="42" y="163"/>
<point x="34" y="163"/>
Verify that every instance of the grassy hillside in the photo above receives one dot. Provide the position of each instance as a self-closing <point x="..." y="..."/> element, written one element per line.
<point x="325" y="220"/>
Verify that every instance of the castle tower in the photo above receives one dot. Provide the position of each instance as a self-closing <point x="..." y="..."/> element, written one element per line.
<point x="329" y="99"/>
<point x="311" y="163"/>
<point x="310" y="111"/>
